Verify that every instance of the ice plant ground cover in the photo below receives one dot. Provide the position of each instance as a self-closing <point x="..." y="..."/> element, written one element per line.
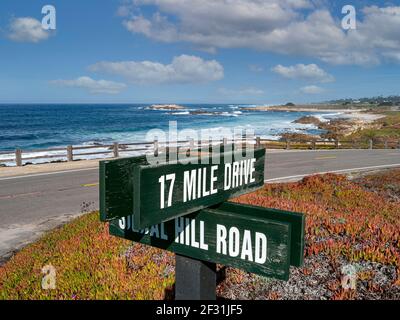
<point x="349" y="223"/>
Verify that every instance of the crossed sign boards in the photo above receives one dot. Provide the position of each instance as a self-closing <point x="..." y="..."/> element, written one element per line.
<point x="182" y="208"/>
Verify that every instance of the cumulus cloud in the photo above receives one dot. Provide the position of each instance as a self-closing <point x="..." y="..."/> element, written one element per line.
<point x="279" y="26"/>
<point x="312" y="90"/>
<point x="123" y="11"/>
<point x="93" y="86"/>
<point x="211" y="23"/>
<point x="310" y="72"/>
<point x="27" y="29"/>
<point x="182" y="69"/>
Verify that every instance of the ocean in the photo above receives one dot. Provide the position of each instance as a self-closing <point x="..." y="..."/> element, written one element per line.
<point x="39" y="126"/>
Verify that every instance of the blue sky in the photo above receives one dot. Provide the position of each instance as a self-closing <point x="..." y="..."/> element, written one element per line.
<point x="207" y="51"/>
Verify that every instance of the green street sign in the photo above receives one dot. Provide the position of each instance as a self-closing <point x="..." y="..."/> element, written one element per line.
<point x="297" y="222"/>
<point x="158" y="193"/>
<point x="245" y="240"/>
<point x="116" y="187"/>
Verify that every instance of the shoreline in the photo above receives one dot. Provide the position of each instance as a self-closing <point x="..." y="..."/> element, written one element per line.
<point x="353" y="120"/>
<point x="290" y="109"/>
<point x="363" y="114"/>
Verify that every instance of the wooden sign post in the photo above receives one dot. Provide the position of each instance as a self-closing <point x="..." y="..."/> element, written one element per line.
<point x="194" y="279"/>
<point x="182" y="209"/>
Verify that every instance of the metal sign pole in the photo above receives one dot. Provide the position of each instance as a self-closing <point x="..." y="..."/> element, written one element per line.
<point x="194" y="279"/>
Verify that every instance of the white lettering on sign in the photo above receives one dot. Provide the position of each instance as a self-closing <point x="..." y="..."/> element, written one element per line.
<point x="260" y="255"/>
<point x="185" y="233"/>
<point x="252" y="170"/>
<point x="195" y="183"/>
<point x="193" y="241"/>
<point x="203" y="245"/>
<point x="189" y="185"/>
<point x="239" y="173"/>
<point x="169" y="177"/>
<point x="247" y="253"/>
<point x="156" y="231"/>
<point x="201" y="183"/>
<point x="232" y="244"/>
<point x="214" y="179"/>
<point x="179" y="233"/>
<point x="221" y="239"/>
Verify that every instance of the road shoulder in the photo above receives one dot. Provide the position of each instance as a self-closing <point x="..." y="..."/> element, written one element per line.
<point x="8" y="172"/>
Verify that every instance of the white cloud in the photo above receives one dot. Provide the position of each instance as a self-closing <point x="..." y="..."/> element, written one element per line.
<point x="93" y="86"/>
<point x="312" y="90"/>
<point x="182" y="69"/>
<point x="158" y="29"/>
<point x="212" y="23"/>
<point x="256" y="68"/>
<point x="27" y="29"/>
<point x="393" y="56"/>
<point x="123" y="11"/>
<point x="278" y="26"/>
<point x="310" y="72"/>
<point x="241" y="92"/>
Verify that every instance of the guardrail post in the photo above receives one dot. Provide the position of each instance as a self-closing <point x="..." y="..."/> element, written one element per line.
<point x="191" y="148"/>
<point x="156" y="146"/>
<point x="371" y="144"/>
<point x="314" y="145"/>
<point x="224" y="143"/>
<point x="386" y="144"/>
<point x="337" y="144"/>
<point x="18" y="157"/>
<point x="70" y="153"/>
<point x="287" y="144"/>
<point x="210" y="145"/>
<point x="200" y="145"/>
<point x="116" y="149"/>
<point x="258" y="142"/>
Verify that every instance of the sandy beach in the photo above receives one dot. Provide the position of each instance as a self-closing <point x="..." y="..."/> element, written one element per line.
<point x="367" y="117"/>
<point x="354" y="114"/>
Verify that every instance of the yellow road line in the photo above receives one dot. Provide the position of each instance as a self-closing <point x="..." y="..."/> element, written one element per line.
<point x="326" y="158"/>
<point x="90" y="185"/>
<point x="13" y="196"/>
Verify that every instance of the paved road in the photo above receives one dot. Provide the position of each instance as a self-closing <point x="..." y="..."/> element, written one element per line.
<point x="32" y="204"/>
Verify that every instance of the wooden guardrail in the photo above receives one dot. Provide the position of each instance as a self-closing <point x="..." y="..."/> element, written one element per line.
<point x="116" y="149"/>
